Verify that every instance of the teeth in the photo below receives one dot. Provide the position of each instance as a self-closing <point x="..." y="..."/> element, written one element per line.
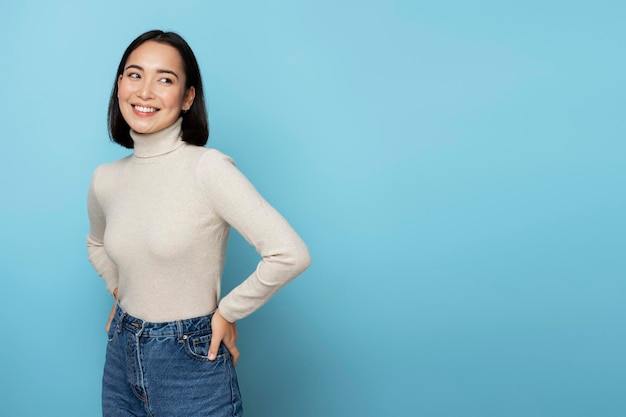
<point x="145" y="109"/>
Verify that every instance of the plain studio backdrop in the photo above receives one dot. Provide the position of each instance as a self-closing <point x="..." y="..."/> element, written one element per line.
<point x="457" y="169"/>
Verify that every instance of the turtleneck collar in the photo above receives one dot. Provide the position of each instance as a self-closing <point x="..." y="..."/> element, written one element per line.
<point x="164" y="141"/>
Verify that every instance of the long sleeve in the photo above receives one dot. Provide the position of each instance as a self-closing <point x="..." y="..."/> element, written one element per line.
<point x="283" y="253"/>
<point x="95" y="239"/>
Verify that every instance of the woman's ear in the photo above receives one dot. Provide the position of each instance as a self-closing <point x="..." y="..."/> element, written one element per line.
<point x="190" y="95"/>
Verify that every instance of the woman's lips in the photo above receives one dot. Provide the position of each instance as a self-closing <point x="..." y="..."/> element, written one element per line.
<point x="144" y="110"/>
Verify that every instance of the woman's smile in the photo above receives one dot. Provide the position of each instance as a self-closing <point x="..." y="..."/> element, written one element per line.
<point x="144" y="110"/>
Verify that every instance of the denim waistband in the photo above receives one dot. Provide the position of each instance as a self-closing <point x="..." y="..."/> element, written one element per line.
<point x="177" y="328"/>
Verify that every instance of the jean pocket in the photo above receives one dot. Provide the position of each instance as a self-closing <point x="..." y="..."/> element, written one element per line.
<point x="197" y="347"/>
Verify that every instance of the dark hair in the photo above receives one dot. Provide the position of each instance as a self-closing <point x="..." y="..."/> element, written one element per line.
<point x="195" y="127"/>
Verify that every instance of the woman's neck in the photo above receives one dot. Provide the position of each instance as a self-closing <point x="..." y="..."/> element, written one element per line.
<point x="150" y="145"/>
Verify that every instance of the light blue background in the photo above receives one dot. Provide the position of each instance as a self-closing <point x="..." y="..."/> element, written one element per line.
<point x="457" y="169"/>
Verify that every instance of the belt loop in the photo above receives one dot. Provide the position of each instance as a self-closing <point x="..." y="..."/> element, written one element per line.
<point x="179" y="330"/>
<point x="121" y="315"/>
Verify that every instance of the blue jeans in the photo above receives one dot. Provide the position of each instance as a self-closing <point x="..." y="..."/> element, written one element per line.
<point x="162" y="370"/>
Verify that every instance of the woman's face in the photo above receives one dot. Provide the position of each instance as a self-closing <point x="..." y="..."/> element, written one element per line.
<point x="151" y="90"/>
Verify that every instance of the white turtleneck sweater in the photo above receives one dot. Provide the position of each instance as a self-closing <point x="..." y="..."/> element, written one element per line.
<point x="159" y="225"/>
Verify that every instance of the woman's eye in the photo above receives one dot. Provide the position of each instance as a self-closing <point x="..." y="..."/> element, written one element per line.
<point x="133" y="75"/>
<point x="165" y="80"/>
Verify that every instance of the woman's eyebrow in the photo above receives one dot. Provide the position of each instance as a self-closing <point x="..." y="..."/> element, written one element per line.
<point x="159" y="71"/>
<point x="133" y="66"/>
<point x="165" y="71"/>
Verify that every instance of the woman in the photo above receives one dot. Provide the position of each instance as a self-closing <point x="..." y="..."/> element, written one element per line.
<point x="159" y="224"/>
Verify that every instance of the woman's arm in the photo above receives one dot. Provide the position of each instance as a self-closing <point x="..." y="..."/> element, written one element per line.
<point x="283" y="253"/>
<point x="98" y="257"/>
<point x="113" y="309"/>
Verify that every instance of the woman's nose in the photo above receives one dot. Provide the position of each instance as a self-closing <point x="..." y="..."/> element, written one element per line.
<point x="144" y="91"/>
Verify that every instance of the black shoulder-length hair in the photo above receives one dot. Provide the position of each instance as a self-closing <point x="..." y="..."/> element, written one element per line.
<point x="195" y="127"/>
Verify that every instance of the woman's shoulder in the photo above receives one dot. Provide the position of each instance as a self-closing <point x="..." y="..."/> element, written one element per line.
<point x="113" y="165"/>
<point x="209" y="159"/>
<point x="109" y="169"/>
<point x="207" y="154"/>
<point x="213" y="169"/>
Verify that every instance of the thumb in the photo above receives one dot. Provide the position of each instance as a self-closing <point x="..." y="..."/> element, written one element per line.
<point x="214" y="347"/>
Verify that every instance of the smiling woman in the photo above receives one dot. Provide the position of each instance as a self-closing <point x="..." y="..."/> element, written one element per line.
<point x="160" y="73"/>
<point x="152" y="95"/>
<point x="159" y="226"/>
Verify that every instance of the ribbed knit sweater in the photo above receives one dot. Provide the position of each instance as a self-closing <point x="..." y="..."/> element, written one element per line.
<point x="159" y="227"/>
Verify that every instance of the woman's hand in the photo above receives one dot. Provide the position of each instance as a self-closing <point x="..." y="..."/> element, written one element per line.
<point x="112" y="314"/>
<point x="225" y="332"/>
